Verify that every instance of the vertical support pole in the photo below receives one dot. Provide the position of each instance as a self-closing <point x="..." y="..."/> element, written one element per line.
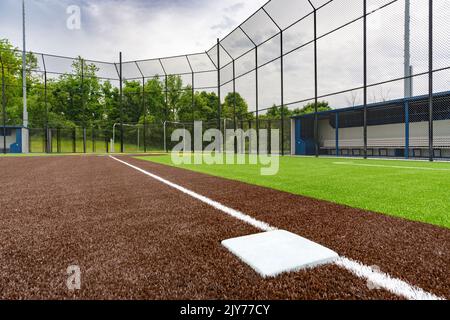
<point x="48" y="148"/>
<point x="83" y="106"/>
<point x="282" y="92"/>
<point x="74" y="140"/>
<point x="257" y="100"/>
<point x="144" y="110"/>
<point x="25" y="133"/>
<point x="337" y="134"/>
<point x="219" y="104"/>
<point x="316" y="122"/>
<point x="430" y="80"/>
<point x="407" y="60"/>
<point x="365" y="78"/>
<point x="3" y="105"/>
<point x="193" y="110"/>
<point x="106" y="142"/>
<point x="166" y="98"/>
<point x="234" y="106"/>
<point x="121" y="102"/>
<point x="408" y="72"/>
<point x="84" y="139"/>
<point x="58" y="140"/>
<point x="193" y="98"/>
<point x="406" y="110"/>
<point x="166" y="109"/>
<point x="269" y="135"/>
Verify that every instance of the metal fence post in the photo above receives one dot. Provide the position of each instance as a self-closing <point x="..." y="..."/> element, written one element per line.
<point x="47" y="148"/>
<point x="282" y="92"/>
<point x="408" y="92"/>
<point x="269" y="135"/>
<point x="83" y="105"/>
<point x="257" y="100"/>
<point x="106" y="142"/>
<point x="93" y="140"/>
<point x="234" y="106"/>
<point x="74" y="140"/>
<point x="430" y="80"/>
<point x="144" y="108"/>
<point x="84" y="140"/>
<point x="337" y="134"/>
<point x="365" y="78"/>
<point x="121" y="102"/>
<point x="3" y="104"/>
<point x="46" y="114"/>
<point x="282" y="78"/>
<point x="192" y="99"/>
<point x="219" y="103"/>
<point x="316" y="91"/>
<point x="58" y="140"/>
<point x="406" y="106"/>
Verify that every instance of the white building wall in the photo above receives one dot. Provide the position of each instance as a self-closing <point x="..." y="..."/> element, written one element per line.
<point x="389" y="135"/>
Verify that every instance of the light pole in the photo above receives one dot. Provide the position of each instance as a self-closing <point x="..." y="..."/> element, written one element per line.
<point x="24" y="86"/>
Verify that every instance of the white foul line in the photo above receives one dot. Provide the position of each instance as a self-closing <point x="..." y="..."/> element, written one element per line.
<point x="383" y="280"/>
<point x="378" y="278"/>
<point x="234" y="213"/>
<point x="386" y="166"/>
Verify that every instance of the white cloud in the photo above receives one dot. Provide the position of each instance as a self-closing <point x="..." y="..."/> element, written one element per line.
<point x="141" y="29"/>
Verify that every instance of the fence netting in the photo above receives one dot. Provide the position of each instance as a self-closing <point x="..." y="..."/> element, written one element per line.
<point x="363" y="78"/>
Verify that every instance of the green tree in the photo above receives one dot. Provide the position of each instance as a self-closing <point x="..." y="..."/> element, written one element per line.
<point x="241" y="107"/>
<point x="309" y="108"/>
<point x="11" y="60"/>
<point x="77" y="96"/>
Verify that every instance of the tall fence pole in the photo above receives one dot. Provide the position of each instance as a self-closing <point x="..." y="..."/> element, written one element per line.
<point x="3" y="105"/>
<point x="282" y="78"/>
<point x="282" y="91"/>
<point x="25" y="133"/>
<point x="219" y="103"/>
<point x="337" y="134"/>
<point x="121" y="102"/>
<point x="430" y="80"/>
<point x="83" y="108"/>
<point x="316" y="91"/>
<point x="365" y="77"/>
<point x="408" y="92"/>
<point x="234" y="105"/>
<point x="257" y="99"/>
<point x="47" y="143"/>
<point x="46" y="105"/>
<point x="144" y="110"/>
<point x="192" y="99"/>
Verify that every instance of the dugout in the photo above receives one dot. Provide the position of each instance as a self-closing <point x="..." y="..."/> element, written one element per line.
<point x="396" y="128"/>
<point x="11" y="138"/>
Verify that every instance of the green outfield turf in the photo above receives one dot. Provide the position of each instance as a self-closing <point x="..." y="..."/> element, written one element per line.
<point x="412" y="190"/>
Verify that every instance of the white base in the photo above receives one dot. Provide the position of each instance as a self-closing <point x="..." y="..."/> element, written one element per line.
<point x="275" y="252"/>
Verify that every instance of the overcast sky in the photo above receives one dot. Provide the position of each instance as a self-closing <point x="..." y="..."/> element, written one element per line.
<point x="140" y="28"/>
<point x="156" y="28"/>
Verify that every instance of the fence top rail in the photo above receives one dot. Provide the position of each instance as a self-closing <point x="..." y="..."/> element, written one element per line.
<point x="378" y="104"/>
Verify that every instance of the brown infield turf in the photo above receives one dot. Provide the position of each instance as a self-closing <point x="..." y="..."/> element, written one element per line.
<point x="136" y="238"/>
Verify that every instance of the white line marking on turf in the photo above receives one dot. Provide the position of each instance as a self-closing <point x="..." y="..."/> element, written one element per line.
<point x="385" y="166"/>
<point x="381" y="279"/>
<point x="234" y="213"/>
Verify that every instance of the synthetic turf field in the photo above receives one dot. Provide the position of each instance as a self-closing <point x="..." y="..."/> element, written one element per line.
<point x="415" y="190"/>
<point x="135" y="237"/>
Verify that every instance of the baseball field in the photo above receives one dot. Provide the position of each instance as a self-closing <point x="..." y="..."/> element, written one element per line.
<point x="143" y="228"/>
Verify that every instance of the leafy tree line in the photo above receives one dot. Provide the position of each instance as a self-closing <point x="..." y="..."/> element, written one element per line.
<point x="81" y="99"/>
